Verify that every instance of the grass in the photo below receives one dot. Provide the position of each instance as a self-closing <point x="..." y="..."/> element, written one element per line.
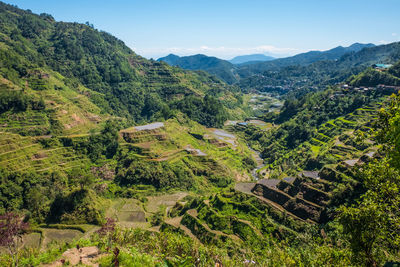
<point x="315" y="149"/>
<point x="169" y="144"/>
<point x="27" y="155"/>
<point x="67" y="112"/>
<point x="169" y="200"/>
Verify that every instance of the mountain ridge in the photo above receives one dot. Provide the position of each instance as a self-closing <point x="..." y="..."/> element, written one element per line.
<point x="223" y="69"/>
<point x="233" y="73"/>
<point x="250" y="59"/>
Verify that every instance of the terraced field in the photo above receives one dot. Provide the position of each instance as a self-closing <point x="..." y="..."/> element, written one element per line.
<point x="44" y="236"/>
<point x="231" y="217"/>
<point x="128" y="213"/>
<point x="173" y="141"/>
<point x="255" y="211"/>
<point x="132" y="213"/>
<point x="284" y="207"/>
<point x="347" y="137"/>
<point x="26" y="154"/>
<point x="24" y="134"/>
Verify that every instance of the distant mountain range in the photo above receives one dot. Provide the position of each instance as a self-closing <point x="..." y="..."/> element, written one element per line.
<point x="303" y="59"/>
<point x="246" y="59"/>
<point x="242" y="67"/>
<point x="328" y="68"/>
<point x="223" y="69"/>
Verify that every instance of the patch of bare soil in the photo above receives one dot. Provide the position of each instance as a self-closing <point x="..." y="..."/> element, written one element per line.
<point x="77" y="121"/>
<point x="86" y="256"/>
<point x="39" y="156"/>
<point x="245" y="187"/>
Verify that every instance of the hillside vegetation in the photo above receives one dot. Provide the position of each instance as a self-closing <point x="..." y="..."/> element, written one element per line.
<point x="108" y="158"/>
<point x="223" y="69"/>
<point x="66" y="91"/>
<point x="39" y="53"/>
<point x="320" y="73"/>
<point x="372" y="77"/>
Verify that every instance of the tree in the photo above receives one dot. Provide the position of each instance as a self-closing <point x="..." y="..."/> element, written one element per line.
<point x="12" y="228"/>
<point x="86" y="180"/>
<point x="107" y="231"/>
<point x="363" y="225"/>
<point x="35" y="200"/>
<point x="389" y="133"/>
<point x="373" y="225"/>
<point x="109" y="137"/>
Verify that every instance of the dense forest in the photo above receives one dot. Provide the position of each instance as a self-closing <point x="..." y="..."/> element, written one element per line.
<point x="120" y="82"/>
<point x="372" y="77"/>
<point x="146" y="164"/>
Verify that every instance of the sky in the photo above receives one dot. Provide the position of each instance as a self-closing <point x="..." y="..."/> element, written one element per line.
<point x="227" y="28"/>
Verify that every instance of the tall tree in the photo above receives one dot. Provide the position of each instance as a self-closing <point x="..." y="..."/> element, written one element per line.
<point x="12" y="228"/>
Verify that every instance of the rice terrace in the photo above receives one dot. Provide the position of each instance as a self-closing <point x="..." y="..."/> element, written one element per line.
<point x="201" y="133"/>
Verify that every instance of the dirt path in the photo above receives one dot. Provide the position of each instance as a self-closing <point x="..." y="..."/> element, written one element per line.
<point x="251" y="226"/>
<point x="86" y="256"/>
<point x="176" y="222"/>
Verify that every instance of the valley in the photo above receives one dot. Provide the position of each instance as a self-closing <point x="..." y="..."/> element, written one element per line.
<point x="111" y="159"/>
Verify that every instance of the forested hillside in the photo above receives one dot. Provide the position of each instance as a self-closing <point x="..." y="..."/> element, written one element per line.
<point x="372" y="77"/>
<point x="115" y="78"/>
<point x="302" y="72"/>
<point x="67" y="91"/>
<point x="110" y="159"/>
<point x="291" y="72"/>
<point x="302" y="59"/>
<point x="223" y="69"/>
<point x="320" y="73"/>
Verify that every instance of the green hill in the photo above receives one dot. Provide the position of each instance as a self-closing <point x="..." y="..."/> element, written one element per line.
<point x="303" y="59"/>
<point x="113" y="159"/>
<point x="320" y="73"/>
<point x="245" y="73"/>
<point x="36" y="51"/>
<point x="223" y="69"/>
<point x="373" y="77"/>
<point x="66" y="91"/>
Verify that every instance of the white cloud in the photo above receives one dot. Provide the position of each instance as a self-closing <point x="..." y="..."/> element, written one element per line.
<point x="394" y="34"/>
<point x="221" y="51"/>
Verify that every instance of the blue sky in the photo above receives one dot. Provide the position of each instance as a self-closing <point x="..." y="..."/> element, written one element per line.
<point x="226" y="28"/>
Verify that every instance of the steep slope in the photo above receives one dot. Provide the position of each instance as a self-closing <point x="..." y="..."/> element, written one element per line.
<point x="69" y="97"/>
<point x="221" y="68"/>
<point x="374" y="77"/>
<point x="122" y="83"/>
<point x="317" y="129"/>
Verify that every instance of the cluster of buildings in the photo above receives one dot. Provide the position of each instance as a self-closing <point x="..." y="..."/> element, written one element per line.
<point x="381" y="87"/>
<point x="381" y="67"/>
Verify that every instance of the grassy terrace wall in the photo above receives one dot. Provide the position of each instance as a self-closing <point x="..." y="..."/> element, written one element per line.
<point x="236" y="214"/>
<point x="29" y="154"/>
<point x="312" y="194"/>
<point x="271" y="193"/>
<point x="200" y="231"/>
<point x="303" y="209"/>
